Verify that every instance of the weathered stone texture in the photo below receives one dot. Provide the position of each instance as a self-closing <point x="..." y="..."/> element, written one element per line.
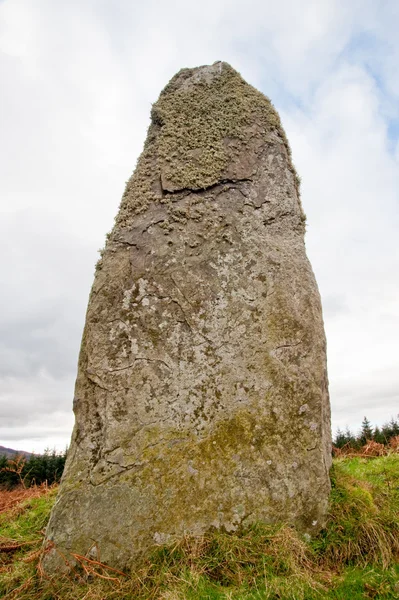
<point x="202" y="396"/>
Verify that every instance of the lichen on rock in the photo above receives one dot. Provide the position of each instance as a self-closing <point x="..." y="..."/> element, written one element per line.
<point x="202" y="397"/>
<point x="200" y="126"/>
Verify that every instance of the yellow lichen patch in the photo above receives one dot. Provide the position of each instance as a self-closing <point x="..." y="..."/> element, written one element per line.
<point x="199" y="124"/>
<point x="140" y="190"/>
<point x="197" y="118"/>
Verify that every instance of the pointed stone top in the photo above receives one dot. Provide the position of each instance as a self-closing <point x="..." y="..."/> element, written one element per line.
<point x="204" y="126"/>
<point x="205" y="73"/>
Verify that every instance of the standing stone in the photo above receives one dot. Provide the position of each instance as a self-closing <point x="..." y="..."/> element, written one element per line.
<point x="202" y="396"/>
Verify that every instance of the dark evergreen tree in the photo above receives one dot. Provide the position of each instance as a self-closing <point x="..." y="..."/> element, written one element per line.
<point x="378" y="436"/>
<point x="37" y="469"/>
<point x="339" y="439"/>
<point x="342" y="438"/>
<point x="366" y="432"/>
<point x="351" y="439"/>
<point x="390" y="429"/>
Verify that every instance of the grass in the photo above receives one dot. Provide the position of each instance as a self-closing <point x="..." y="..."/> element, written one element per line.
<point x="10" y="499"/>
<point x="355" y="557"/>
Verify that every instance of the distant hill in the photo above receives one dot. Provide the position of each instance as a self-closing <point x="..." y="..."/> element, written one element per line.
<point x="10" y="453"/>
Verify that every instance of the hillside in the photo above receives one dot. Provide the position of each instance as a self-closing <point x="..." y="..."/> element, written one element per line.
<point x="10" y="452"/>
<point x="356" y="556"/>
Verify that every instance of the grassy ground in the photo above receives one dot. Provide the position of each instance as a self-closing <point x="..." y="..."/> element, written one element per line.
<point x="355" y="557"/>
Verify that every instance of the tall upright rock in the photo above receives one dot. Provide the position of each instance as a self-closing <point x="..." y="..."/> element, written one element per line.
<point x="202" y="396"/>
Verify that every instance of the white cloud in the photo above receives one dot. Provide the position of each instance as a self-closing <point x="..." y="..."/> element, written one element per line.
<point x="350" y="190"/>
<point x="78" y="81"/>
<point x="35" y="412"/>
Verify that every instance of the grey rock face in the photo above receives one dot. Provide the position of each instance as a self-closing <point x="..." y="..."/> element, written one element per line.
<point x="202" y="396"/>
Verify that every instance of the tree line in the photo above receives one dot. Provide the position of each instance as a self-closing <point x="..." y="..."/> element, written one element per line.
<point x="367" y="433"/>
<point x="34" y="470"/>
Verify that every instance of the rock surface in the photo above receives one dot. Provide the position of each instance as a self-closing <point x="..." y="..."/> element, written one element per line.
<point x="202" y="396"/>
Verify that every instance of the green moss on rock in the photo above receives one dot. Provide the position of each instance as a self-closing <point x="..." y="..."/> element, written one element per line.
<point x="200" y="121"/>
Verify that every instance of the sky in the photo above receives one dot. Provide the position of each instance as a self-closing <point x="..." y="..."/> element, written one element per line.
<point x="77" y="82"/>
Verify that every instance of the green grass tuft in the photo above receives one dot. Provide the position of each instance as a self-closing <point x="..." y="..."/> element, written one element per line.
<point x="355" y="557"/>
<point x="363" y="524"/>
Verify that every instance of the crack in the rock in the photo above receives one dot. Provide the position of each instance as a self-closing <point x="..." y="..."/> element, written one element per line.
<point x="185" y="320"/>
<point x="126" y="243"/>
<point x="272" y="218"/>
<point x="153" y="223"/>
<point x="192" y="329"/>
<point x="137" y="464"/>
<point x="138" y="358"/>
<point x="188" y="190"/>
<point x="224" y="343"/>
<point x="238" y="190"/>
<point x="257" y="207"/>
<point x="117" y="320"/>
<point x="288" y="345"/>
<point x="91" y="377"/>
<point x="122" y="470"/>
<point x="179" y="290"/>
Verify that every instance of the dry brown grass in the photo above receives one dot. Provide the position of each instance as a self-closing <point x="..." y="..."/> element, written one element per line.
<point x="11" y="500"/>
<point x="371" y="449"/>
<point x="394" y="444"/>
